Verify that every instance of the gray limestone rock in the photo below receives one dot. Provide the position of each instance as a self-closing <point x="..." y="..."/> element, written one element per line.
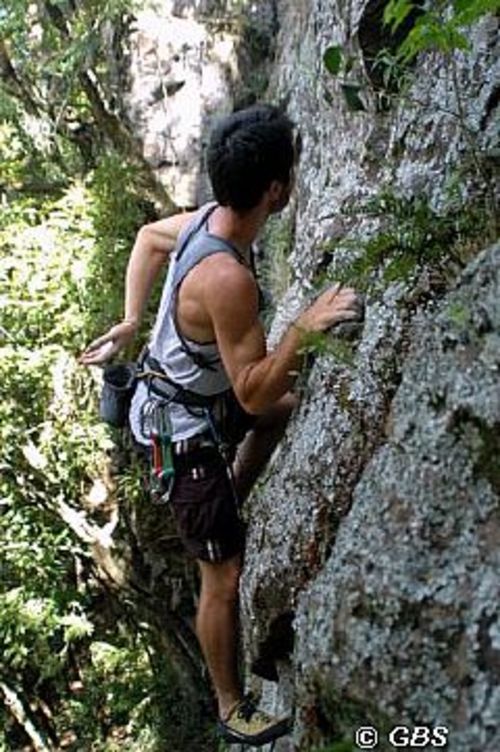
<point x="405" y="609"/>
<point x="371" y="581"/>
<point x="186" y="62"/>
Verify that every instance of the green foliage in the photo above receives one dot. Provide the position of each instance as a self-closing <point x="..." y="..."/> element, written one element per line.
<point x="325" y="343"/>
<point x="52" y="449"/>
<point x="275" y="273"/>
<point x="440" y="28"/>
<point x="339" y="63"/>
<point x="118" y="687"/>
<point x="115" y="213"/>
<point x="332" y="58"/>
<point x="460" y="315"/>
<point x="65" y="41"/>
<point x="65" y="236"/>
<point x="412" y="234"/>
<point x="41" y="274"/>
<point x="352" y="98"/>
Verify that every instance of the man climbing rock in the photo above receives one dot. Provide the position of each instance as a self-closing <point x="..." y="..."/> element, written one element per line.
<point x="228" y="398"/>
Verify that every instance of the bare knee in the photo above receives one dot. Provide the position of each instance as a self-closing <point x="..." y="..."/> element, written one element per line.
<point x="279" y="413"/>
<point x="287" y="404"/>
<point x="220" y="581"/>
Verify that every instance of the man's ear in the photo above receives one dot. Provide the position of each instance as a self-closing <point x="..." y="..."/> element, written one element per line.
<point x="278" y="195"/>
<point x="275" y="190"/>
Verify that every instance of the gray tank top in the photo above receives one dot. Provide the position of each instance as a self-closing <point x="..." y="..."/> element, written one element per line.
<point x="195" y="366"/>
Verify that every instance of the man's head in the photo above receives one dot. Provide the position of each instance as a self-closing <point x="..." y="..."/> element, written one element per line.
<point x="251" y="152"/>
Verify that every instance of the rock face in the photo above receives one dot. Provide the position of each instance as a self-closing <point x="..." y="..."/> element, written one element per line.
<point x="405" y="607"/>
<point x="372" y="572"/>
<point x="180" y="77"/>
<point x="373" y="556"/>
<point x="185" y="60"/>
<point x="371" y="582"/>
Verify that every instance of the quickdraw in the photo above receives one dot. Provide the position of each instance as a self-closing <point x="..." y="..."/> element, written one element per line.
<point x="158" y="427"/>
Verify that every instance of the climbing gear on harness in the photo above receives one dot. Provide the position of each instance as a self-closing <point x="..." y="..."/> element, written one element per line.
<point x="157" y="426"/>
<point x="163" y="391"/>
<point x="248" y="725"/>
<point x="119" y="385"/>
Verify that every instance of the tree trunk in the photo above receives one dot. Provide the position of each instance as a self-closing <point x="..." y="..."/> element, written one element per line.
<point x="111" y="125"/>
<point x="15" y="706"/>
<point x="14" y="85"/>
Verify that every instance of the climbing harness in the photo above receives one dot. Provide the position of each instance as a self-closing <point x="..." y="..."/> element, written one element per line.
<point x="120" y="381"/>
<point x="157" y="427"/>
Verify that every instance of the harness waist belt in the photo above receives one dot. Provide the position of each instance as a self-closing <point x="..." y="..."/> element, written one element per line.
<point x="163" y="386"/>
<point x="201" y="441"/>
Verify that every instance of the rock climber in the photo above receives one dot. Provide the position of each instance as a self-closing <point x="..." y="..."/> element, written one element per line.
<point x="209" y="341"/>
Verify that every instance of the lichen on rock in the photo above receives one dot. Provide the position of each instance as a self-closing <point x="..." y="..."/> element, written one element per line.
<point x="371" y="581"/>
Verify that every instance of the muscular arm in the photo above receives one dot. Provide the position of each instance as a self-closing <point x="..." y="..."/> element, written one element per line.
<point x="152" y="247"/>
<point x="260" y="378"/>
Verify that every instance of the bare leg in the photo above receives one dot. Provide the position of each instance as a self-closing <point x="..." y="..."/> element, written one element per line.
<point x="217" y="628"/>
<point x="217" y="617"/>
<point x="259" y="444"/>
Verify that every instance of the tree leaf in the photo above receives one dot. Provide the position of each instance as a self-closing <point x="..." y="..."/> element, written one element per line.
<point x="352" y="98"/>
<point x="332" y="58"/>
<point x="469" y="11"/>
<point x="396" y="13"/>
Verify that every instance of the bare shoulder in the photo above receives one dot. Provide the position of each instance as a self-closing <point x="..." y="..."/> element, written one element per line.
<point x="164" y="232"/>
<point x="228" y="284"/>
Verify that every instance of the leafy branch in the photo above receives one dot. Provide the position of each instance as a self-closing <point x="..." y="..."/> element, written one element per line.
<point x="440" y="28"/>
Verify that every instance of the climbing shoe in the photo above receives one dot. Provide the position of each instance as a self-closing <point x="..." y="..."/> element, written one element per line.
<point x="248" y="725"/>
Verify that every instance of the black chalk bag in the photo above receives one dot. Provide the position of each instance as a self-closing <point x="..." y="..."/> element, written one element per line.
<point x="119" y="382"/>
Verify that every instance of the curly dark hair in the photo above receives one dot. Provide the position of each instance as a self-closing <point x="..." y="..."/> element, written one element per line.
<point x="247" y="151"/>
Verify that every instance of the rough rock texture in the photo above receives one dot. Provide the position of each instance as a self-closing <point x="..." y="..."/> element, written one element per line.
<point x="372" y="573"/>
<point x="371" y="576"/>
<point x="405" y="608"/>
<point x="180" y="76"/>
<point x="184" y="65"/>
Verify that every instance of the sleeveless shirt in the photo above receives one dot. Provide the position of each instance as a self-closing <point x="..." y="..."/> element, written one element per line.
<point x="195" y="366"/>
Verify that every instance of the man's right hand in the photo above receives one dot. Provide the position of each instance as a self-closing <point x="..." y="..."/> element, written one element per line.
<point x="106" y="347"/>
<point x="335" y="305"/>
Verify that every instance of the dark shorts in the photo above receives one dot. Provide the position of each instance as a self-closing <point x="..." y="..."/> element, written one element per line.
<point x="206" y="511"/>
<point x="203" y="499"/>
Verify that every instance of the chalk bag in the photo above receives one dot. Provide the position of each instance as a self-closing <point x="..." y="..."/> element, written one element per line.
<point x="119" y="382"/>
